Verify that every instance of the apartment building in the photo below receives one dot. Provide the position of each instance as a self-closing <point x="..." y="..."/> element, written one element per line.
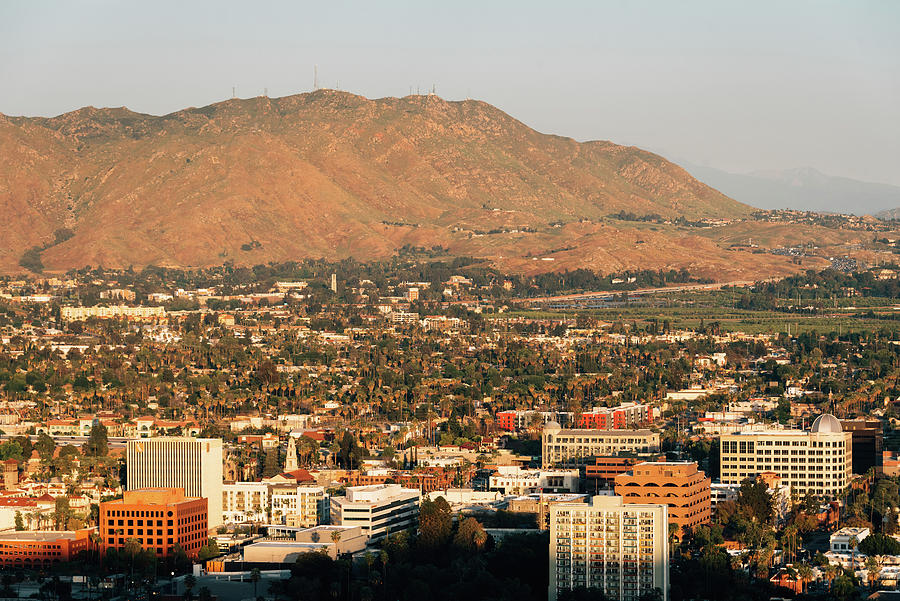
<point x="574" y="448"/>
<point x="816" y="462"/>
<point x="158" y="518"/>
<point x="301" y="506"/>
<point x="246" y="502"/>
<point x="378" y="508"/>
<point x="82" y="313"/>
<point x="619" y="548"/>
<point x="627" y="415"/>
<point x="194" y="464"/>
<point x="683" y="488"/>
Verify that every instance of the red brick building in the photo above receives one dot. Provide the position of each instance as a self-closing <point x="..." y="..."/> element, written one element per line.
<point x="158" y="518"/>
<point x="42" y="549"/>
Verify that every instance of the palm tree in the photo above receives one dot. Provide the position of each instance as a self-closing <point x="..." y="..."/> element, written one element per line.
<point x="853" y="542"/>
<point x="873" y="567"/>
<point x="254" y="578"/>
<point x="805" y="572"/>
<point x="831" y="571"/>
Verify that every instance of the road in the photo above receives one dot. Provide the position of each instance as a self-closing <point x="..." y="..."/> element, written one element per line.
<point x="113" y="441"/>
<point x="637" y="292"/>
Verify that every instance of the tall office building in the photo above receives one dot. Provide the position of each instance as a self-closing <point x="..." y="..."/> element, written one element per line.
<point x="194" y="464"/>
<point x="867" y="444"/>
<point x="816" y="462"/>
<point x="573" y="448"/>
<point x="606" y="544"/>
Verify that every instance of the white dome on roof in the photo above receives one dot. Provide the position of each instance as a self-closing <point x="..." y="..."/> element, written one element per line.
<point x="552" y="426"/>
<point x="827" y="424"/>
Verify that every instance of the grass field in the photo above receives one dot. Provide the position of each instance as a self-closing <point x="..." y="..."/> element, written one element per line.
<point x="687" y="310"/>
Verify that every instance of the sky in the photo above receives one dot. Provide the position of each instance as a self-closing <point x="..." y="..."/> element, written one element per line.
<point x="739" y="86"/>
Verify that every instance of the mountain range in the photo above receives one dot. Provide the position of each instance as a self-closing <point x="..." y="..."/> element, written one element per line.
<point x="803" y="189"/>
<point x="330" y="174"/>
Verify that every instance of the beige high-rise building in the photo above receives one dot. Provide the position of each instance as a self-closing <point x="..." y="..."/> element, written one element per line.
<point x="194" y="464"/>
<point x="816" y="462"/>
<point x="606" y="544"/>
<point x="573" y="448"/>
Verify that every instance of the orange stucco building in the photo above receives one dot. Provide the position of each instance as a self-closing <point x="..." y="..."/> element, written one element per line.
<point x="158" y="518"/>
<point x="42" y="549"/>
<point x="680" y="485"/>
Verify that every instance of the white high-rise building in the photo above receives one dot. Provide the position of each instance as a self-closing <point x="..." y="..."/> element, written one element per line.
<point x="194" y="464"/>
<point x="817" y="462"/>
<point x="606" y="544"/>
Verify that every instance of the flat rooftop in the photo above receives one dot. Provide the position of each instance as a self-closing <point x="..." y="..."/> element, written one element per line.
<point x="41" y="536"/>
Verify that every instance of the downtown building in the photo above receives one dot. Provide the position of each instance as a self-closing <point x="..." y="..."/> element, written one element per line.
<point x="575" y="448"/>
<point x="619" y="548"/>
<point x="192" y="464"/>
<point x="815" y="462"/>
<point x="683" y="488"/>
<point x="379" y="509"/>
<point x="159" y="519"/>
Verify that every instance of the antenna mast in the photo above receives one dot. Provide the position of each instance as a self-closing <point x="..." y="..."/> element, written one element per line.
<point x="315" y="77"/>
<point x="233" y="94"/>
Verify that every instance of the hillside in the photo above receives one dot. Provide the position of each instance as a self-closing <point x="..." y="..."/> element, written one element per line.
<point x="330" y="174"/>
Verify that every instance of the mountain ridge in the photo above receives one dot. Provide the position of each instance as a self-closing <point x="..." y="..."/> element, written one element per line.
<point x="800" y="188"/>
<point x="328" y="174"/>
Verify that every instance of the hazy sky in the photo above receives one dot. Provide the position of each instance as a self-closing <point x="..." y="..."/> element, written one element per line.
<point x="738" y="86"/>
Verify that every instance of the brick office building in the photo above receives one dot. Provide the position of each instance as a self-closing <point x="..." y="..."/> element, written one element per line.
<point x="158" y="518"/>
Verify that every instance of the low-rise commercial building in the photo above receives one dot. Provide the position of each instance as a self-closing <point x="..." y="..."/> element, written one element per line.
<point x="38" y="550"/>
<point x="574" y="448"/>
<point x="846" y="540"/>
<point x="514" y="480"/>
<point x="377" y="509"/>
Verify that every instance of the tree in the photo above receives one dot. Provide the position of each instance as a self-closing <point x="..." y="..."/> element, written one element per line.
<point x="470" y="536"/>
<point x="843" y="588"/>
<point x="190" y="581"/>
<point x="31" y="260"/>
<point x="873" y="568"/>
<point x="209" y="550"/>
<point x="61" y="513"/>
<point x="97" y="444"/>
<point x="254" y="578"/>
<point x="435" y="523"/>
<point x="879" y="544"/>
<point x="755" y="500"/>
<point x="805" y="572"/>
<point x="20" y="523"/>
<point x="783" y="411"/>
